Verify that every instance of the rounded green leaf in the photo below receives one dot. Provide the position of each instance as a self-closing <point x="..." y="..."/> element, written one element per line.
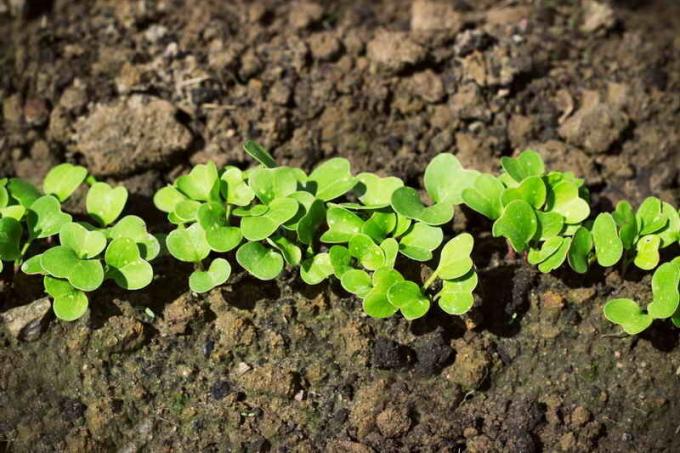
<point x="548" y="248"/>
<point x="670" y="234"/>
<point x="379" y="225"/>
<point x="62" y="180"/>
<point x="456" y="296"/>
<point x="32" y="266"/>
<point x="23" y="192"/>
<point x="375" y="303"/>
<point x="647" y="252"/>
<point x="406" y="202"/>
<point x="532" y="190"/>
<point x="188" y="244"/>
<point x="518" y="224"/>
<point x="650" y="217"/>
<point x="259" y="261"/>
<point x="455" y="259"/>
<point x="579" y="250"/>
<point x="409" y="298"/>
<point x="377" y="191"/>
<point x="332" y="179"/>
<point x="420" y="241"/>
<point x="10" y="239"/>
<point x="342" y="225"/>
<point x="550" y="224"/>
<point x="251" y="211"/>
<point x="356" y="281"/>
<point x="220" y="236"/>
<point x="564" y="198"/>
<point x="309" y="223"/>
<point x="314" y="271"/>
<point x="625" y="219"/>
<point x="271" y="183"/>
<point x="105" y="203"/>
<point x="666" y="297"/>
<point x="627" y="314"/>
<point x="484" y="196"/>
<point x="86" y="244"/>
<point x="15" y="211"/>
<point x="445" y="179"/>
<point x="608" y="245"/>
<point x="291" y="252"/>
<point x="369" y="254"/>
<point x="217" y="274"/>
<point x="390" y="248"/>
<point x="86" y="275"/>
<point x="556" y="259"/>
<point x="133" y="227"/>
<point x="45" y="217"/>
<point x="201" y="184"/>
<point x="341" y="260"/>
<point x="71" y="306"/>
<point x="234" y="187"/>
<point x="260" y="228"/>
<point x="528" y="163"/>
<point x="167" y="199"/>
<point x="126" y="266"/>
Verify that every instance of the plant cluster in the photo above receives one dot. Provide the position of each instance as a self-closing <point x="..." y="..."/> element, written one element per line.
<point x="89" y="251"/>
<point x="331" y="224"/>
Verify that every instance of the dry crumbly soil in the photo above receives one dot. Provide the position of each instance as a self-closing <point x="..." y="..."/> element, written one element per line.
<point x="140" y="90"/>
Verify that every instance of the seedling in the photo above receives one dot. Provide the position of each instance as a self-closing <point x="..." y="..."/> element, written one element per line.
<point x="665" y="301"/>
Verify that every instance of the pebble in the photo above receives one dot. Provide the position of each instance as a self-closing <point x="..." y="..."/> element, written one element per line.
<point x="25" y="323"/>
<point x="394" y="51"/>
<point x="597" y="16"/>
<point x="220" y="389"/>
<point x="594" y="127"/>
<point x="304" y="14"/>
<point x="434" y="16"/>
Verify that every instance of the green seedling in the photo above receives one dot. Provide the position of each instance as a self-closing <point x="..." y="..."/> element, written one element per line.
<point x="317" y="269"/>
<point x="407" y="203"/>
<point x="409" y="299"/>
<point x="454" y="260"/>
<point x="608" y="245"/>
<point x="456" y="296"/>
<point x="63" y="180"/>
<point x="217" y="274"/>
<point x="518" y="224"/>
<point x="260" y="261"/>
<point x="484" y="196"/>
<point x="376" y="191"/>
<point x="105" y="203"/>
<point x="665" y="301"/>
<point x="527" y="164"/>
<point x="342" y="225"/>
<point x="332" y="179"/>
<point x="445" y="179"/>
<point x="420" y="241"/>
<point x="375" y="302"/>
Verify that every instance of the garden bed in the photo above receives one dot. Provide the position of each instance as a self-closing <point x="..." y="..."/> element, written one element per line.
<point x="138" y="92"/>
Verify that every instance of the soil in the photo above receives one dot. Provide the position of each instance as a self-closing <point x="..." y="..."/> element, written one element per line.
<point x="140" y="90"/>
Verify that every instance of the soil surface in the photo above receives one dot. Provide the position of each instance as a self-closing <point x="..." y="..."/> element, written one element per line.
<point x="140" y="90"/>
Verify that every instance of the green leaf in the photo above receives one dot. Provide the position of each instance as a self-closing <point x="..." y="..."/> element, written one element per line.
<point x="532" y="190"/>
<point x="86" y="244"/>
<point x="201" y="184"/>
<point x="369" y="254"/>
<point x="62" y="262"/>
<point x="379" y="225"/>
<point x="378" y="191"/>
<point x="403" y="225"/>
<point x="126" y="266"/>
<point x="647" y="252"/>
<point x="186" y="211"/>
<point x="259" y="261"/>
<point x="260" y="228"/>
<point x="666" y="297"/>
<point x="251" y="211"/>
<point x="10" y="239"/>
<point x="105" y="203"/>
<point x="314" y="271"/>
<point x="627" y="314"/>
<point x="260" y="154"/>
<point x="15" y="211"/>
<point x="69" y="303"/>
<point x="220" y="236"/>
<point x="271" y="183"/>
<point x="341" y="260"/>
<point x="528" y="163"/>
<point x="234" y="187"/>
<point x="579" y="250"/>
<point x="217" y="274"/>
<point x="390" y="248"/>
<point x="556" y="259"/>
<point x="649" y="217"/>
<point x="456" y="296"/>
<point x="564" y="198"/>
<point x="167" y="199"/>
<point x="625" y="219"/>
<point x="45" y="217"/>
<point x="548" y="248"/>
<point x="608" y="245"/>
<point x="133" y="227"/>
<point x="375" y="303"/>
<point x="406" y="202"/>
<point x="518" y="224"/>
<point x="357" y="281"/>
<point x="670" y="234"/>
<point x="550" y="224"/>
<point x="32" y="266"/>
<point x="455" y="261"/>
<point x="4" y="197"/>
<point x="420" y="241"/>
<point x="333" y="179"/>
<point x="409" y="298"/>
<point x="291" y="252"/>
<point x="188" y="244"/>
<point x="62" y="180"/>
<point x="445" y="179"/>
<point x="484" y="196"/>
<point x="342" y="225"/>
<point x="309" y="224"/>
<point x="23" y="192"/>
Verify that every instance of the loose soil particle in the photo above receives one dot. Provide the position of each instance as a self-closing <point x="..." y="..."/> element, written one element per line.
<point x="139" y="91"/>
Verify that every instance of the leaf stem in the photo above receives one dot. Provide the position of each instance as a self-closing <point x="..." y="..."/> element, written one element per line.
<point x="430" y="280"/>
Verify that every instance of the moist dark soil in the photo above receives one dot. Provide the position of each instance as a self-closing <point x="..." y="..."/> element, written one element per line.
<point x="140" y="90"/>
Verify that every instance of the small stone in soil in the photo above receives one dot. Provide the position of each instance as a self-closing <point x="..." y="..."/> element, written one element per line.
<point x="432" y="353"/>
<point x="26" y="322"/>
<point x="220" y="389"/>
<point x="388" y="354"/>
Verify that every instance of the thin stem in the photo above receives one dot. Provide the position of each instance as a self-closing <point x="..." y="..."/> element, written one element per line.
<point x="430" y="280"/>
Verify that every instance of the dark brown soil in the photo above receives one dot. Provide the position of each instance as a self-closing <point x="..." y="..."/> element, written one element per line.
<point x="140" y="90"/>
